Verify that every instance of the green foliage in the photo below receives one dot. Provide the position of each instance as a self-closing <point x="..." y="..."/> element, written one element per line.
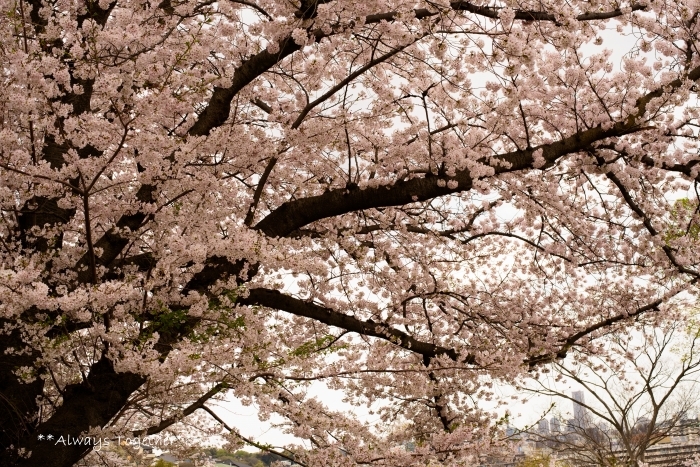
<point x="254" y="459"/>
<point x="320" y="344"/>
<point x="217" y="330"/>
<point x="170" y="320"/>
<point x="541" y="460"/>
<point x="162" y="463"/>
<point x="225" y="323"/>
<point x="682" y="224"/>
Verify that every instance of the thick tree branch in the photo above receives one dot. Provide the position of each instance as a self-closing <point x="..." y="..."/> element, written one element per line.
<point x="606" y="323"/>
<point x="294" y="215"/>
<point x="217" y="110"/>
<point x="219" y="106"/>
<point x="494" y="12"/>
<point x="276" y="300"/>
<point x="534" y="15"/>
<point x="86" y="405"/>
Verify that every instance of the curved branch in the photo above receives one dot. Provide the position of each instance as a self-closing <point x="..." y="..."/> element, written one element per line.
<point x="571" y="341"/>
<point x="274" y="299"/>
<point x="493" y="13"/>
<point x="255" y="7"/>
<point x="262" y="447"/>
<point x="293" y="215"/>
<point x="258" y="190"/>
<point x="217" y="110"/>
<point x="534" y="15"/>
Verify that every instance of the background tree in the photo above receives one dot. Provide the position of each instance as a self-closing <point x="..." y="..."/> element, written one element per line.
<point x="643" y="391"/>
<point x="253" y="459"/>
<point x="403" y="200"/>
<point x="541" y="460"/>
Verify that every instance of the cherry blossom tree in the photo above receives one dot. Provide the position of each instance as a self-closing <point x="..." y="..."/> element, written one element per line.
<point x="404" y="201"/>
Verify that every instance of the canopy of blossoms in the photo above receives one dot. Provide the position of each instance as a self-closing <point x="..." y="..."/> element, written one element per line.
<point x="404" y="200"/>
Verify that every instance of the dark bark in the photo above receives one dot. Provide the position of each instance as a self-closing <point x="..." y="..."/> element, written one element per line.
<point x="89" y="404"/>
<point x="294" y="215"/>
<point x="278" y="301"/>
<point x="18" y="400"/>
<point x="219" y="106"/>
<point x="534" y="15"/>
<point x="38" y="212"/>
<point x="85" y="405"/>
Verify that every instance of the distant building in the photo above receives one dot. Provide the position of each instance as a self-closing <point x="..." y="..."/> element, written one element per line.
<point x="555" y="425"/>
<point x="642" y="424"/>
<point x="579" y="409"/>
<point x="670" y="451"/>
<point x="543" y="427"/>
<point x="668" y="454"/>
<point x="230" y="463"/>
<point x="167" y="457"/>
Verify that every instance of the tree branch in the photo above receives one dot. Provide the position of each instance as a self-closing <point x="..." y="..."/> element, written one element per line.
<point x="277" y="300"/>
<point x="198" y="404"/>
<point x="293" y="215"/>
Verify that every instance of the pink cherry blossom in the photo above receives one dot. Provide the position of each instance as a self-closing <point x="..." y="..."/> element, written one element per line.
<point x="405" y="201"/>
